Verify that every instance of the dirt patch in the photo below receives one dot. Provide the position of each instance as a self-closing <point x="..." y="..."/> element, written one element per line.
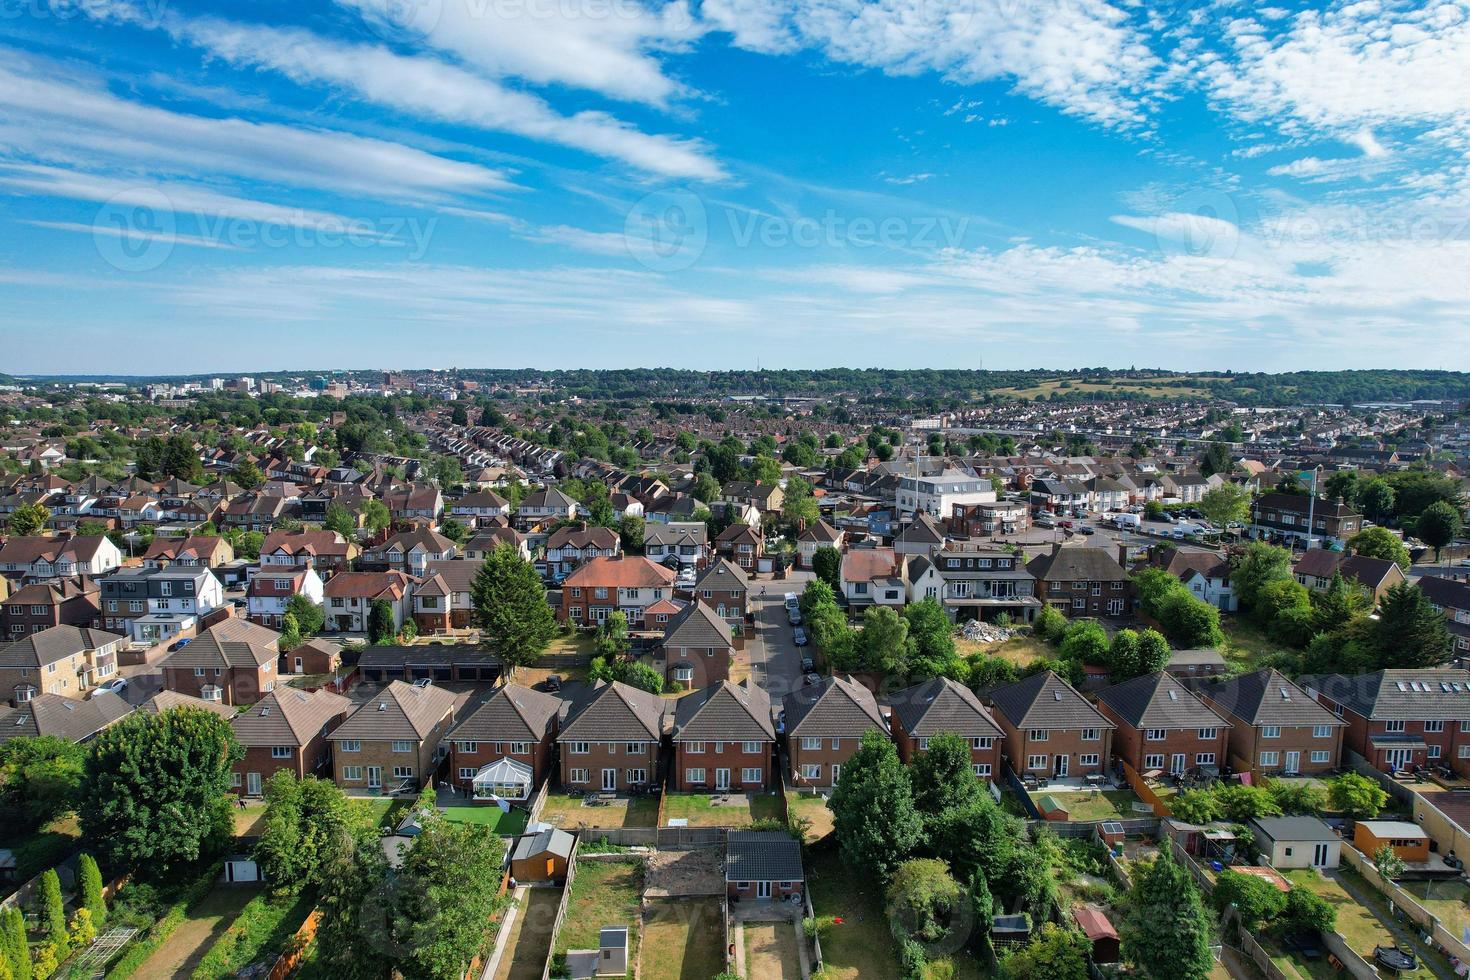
<point x="770" y="951"/>
<point x="530" y="939"/>
<point x="207" y="922"/>
<point x="675" y="874"/>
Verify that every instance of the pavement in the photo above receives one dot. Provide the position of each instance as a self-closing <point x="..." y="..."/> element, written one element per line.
<point x="775" y="659"/>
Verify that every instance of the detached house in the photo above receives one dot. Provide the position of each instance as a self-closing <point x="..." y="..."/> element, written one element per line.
<point x="723" y="739"/>
<point x="410" y="552"/>
<point x="606" y="585"/>
<point x="678" y="544"/>
<point x="825" y="723"/>
<point x="270" y="591"/>
<point x="516" y="724"/>
<point x="1402" y="719"/>
<point x="1082" y="581"/>
<point x="572" y="545"/>
<point x="62" y="717"/>
<point x="1205" y="573"/>
<point x="611" y="740"/>
<point x="65" y="660"/>
<point x="393" y="739"/>
<point x="441" y="599"/>
<point x="1276" y="728"/>
<point x="872" y="577"/>
<point x="741" y="544"/>
<point x="697" y="649"/>
<point x="233" y="662"/>
<point x="1050" y="729"/>
<point x="970" y="583"/>
<point x="1162" y="726"/>
<point x="815" y="537"/>
<point x="545" y="507"/>
<point x="942" y="705"/>
<point x="285" y="730"/>
<point x="724" y="588"/>
<point x="349" y="597"/>
<point x="480" y="507"/>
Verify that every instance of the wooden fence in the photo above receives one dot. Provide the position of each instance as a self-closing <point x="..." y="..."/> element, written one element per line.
<point x="1257" y="954"/>
<point x="561" y="910"/>
<point x="287" y="962"/>
<point x="1410" y="905"/>
<point x="1144" y="790"/>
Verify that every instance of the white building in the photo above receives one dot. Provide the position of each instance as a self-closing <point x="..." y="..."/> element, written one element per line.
<point x="937" y="495"/>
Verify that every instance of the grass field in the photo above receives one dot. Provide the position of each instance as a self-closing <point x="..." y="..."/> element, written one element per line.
<point x="204" y="924"/>
<point x="489" y="815"/>
<point x="814" y="808"/>
<point x="1449" y="900"/>
<point x="1021" y="650"/>
<point x="1246" y="645"/>
<point x="530" y="937"/>
<point x="1163" y="387"/>
<point x="260" y="932"/>
<point x="1083" y="805"/>
<point x="683" y="939"/>
<point x="770" y="951"/>
<point x="572" y="813"/>
<point x="701" y="810"/>
<point x="604" y="893"/>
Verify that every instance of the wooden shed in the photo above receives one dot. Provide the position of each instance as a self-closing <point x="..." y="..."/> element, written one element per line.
<point x="1408" y="840"/>
<point x="1100" y="933"/>
<point x="542" y="856"/>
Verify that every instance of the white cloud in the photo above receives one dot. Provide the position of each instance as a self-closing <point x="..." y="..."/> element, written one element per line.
<point x="906" y="179"/>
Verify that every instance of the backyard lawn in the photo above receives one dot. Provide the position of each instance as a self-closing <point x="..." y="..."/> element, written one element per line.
<point x="812" y="807"/>
<point x="260" y="932"/>
<point x="1246" y="645"/>
<point x="573" y="813"/>
<point x="1448" y="900"/>
<point x="683" y="939"/>
<point x="1084" y="805"/>
<point x="1357" y="923"/>
<point x="203" y="926"/>
<point x="702" y="810"/>
<point x="770" y="951"/>
<point x="488" y="815"/>
<point x="530" y="938"/>
<point x="604" y="893"/>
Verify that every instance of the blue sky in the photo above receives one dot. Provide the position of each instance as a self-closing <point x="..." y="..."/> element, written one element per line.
<point x="189" y="186"/>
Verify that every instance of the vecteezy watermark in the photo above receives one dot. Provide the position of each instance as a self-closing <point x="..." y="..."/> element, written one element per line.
<point x="667" y="231"/>
<point x="147" y="12"/>
<point x="1202" y="224"/>
<point x="399" y="20"/>
<point x="836" y="230"/>
<point x="138" y="230"/>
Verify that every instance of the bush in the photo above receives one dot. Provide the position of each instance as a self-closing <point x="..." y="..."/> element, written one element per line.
<point x="1258" y="901"/>
<point x="89" y="887"/>
<point x="1307" y="910"/>
<point x="1356" y="796"/>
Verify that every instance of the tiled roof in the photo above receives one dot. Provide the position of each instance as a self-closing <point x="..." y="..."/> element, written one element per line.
<point x="725" y="712"/>
<point x="698" y="627"/>
<point x="1077" y="564"/>
<point x="1434" y="694"/>
<point x="288" y="716"/>
<point x="230" y="643"/>
<point x="616" y="712"/>
<point x="867" y="564"/>
<point x="1044" y="700"/>
<point x="762" y="855"/>
<point x="65" y="718"/>
<point x="1159" y="701"/>
<point x="723" y="575"/>
<point x="834" y="707"/>
<point x="626" y="572"/>
<point x="820" y="532"/>
<point x="942" y="705"/>
<point x="457" y="573"/>
<point x="53" y="644"/>
<point x="366" y="585"/>
<point x="168" y="700"/>
<point x="399" y="711"/>
<point x="1266" y="697"/>
<point x="513" y="713"/>
<point x="1447" y="593"/>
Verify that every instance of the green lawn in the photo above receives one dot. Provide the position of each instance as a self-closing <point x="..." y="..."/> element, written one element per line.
<point x="683" y="939"/>
<point x="1083" y="805"/>
<point x="573" y="813"/>
<point x="1448" y="900"/>
<point x="488" y="815"/>
<point x="813" y="808"/>
<point x="1356" y="923"/>
<point x="1377" y="909"/>
<point x="259" y="933"/>
<point x="1020" y="650"/>
<point x="604" y="893"/>
<point x="703" y="810"/>
<point x="1246" y="644"/>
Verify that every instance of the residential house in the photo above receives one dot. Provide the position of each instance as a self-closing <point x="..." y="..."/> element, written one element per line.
<point x="209" y="550"/>
<point x="724" y="588"/>
<point x="1316" y="568"/>
<point x="938" y="495"/>
<point x="414" y="504"/>
<point x="442" y="599"/>
<point x="1452" y="597"/>
<point x="58" y="716"/>
<point x="763" y="865"/>
<point x="157" y="605"/>
<point x="480" y="508"/>
<point x="168" y="700"/>
<point x="42" y="605"/>
<point x="325" y="551"/>
<point x="941" y="705"/>
<point x="611" y="739"/>
<point x="233" y="662"/>
<point x="544" y="507"/>
<point x="488" y="539"/>
<point x="271" y="590"/>
<point x="741" y="544"/>
<point x="872" y="576"/>
<point x="1401" y="719"/>
<point x="1162" y="727"/>
<point x="1205" y="573"/>
<point x="257" y="512"/>
<point x="825" y="723"/>
<point x="1082" y="581"/>
<point x="606" y="585"/>
<point x="724" y="739"/>
<point x="764" y="497"/>
<point x="516" y="723"/>
<point x="573" y="545"/>
<point x="921" y="536"/>
<point x="998" y="517"/>
<point x="67" y="660"/>
<point x="348" y="599"/>
<point x="39" y="559"/>
<point x="970" y="583"/>
<point x="393" y="739"/>
<point x="678" y="544"/>
<point x="285" y="731"/>
<point x="1050" y="730"/>
<point x="697" y="648"/>
<point x="410" y="552"/>
<point x="1276" y="728"/>
<point x="816" y="536"/>
<point x="1296" y="519"/>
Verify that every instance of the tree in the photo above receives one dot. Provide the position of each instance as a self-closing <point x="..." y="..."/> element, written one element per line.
<point x="631" y="529"/>
<point x="290" y="633"/>
<point x="827" y="566"/>
<point x="375" y="515"/>
<point x="1438" y="525"/>
<point x="873" y="810"/>
<point x="307" y="822"/>
<point x="1196" y="806"/>
<point x="1190" y="622"/>
<point x="28" y="519"/>
<point x="1254" y="567"/>
<point x="1356" y="796"/>
<point x="1229" y="503"/>
<point x="1344" y="486"/>
<point x="1216" y="459"/>
<point x="943" y="776"/>
<point x="931" y="637"/>
<point x="510" y="608"/>
<point x="1337" y="605"/>
<point x="1378" y="499"/>
<point x="1295" y="799"/>
<point x="884" y="641"/>
<point x="1306" y="910"/>
<point x="1256" y="900"/>
<point x="1240" y="803"/>
<point x="53" y="909"/>
<point x="1388" y="863"/>
<point x="1166" y="933"/>
<point x="13" y="942"/>
<point x="1085" y="641"/>
<point x="1054" y="953"/>
<point x="153" y="792"/>
<point x="1122" y="661"/>
<point x="39" y="779"/>
<point x="89" y="887"/>
<point x="341" y="520"/>
<point x="354" y="937"/>
<point x="706" y="488"/>
<point x="798" y="505"/>
<point x="1410" y="631"/>
<point x="1153" y="652"/>
<point x="309" y="616"/>
<point x="381" y="625"/>
<point x="1049" y="624"/>
<point x="1380" y="542"/>
<point x="454" y="530"/>
<point x="247" y="475"/>
<point x="612" y="636"/>
<point x="922" y="898"/>
<point x="458" y="416"/>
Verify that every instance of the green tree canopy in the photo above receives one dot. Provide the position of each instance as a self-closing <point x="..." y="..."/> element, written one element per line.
<point x="874" y="817"/>
<point x="510" y="608"/>
<point x="39" y="779"/>
<point x="1411" y="632"/>
<point x="1438" y="525"/>
<point x="1380" y="542"/>
<point x="307" y="822"/>
<point x="1166" y="932"/>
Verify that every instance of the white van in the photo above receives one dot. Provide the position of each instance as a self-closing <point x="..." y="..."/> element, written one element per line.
<point x="793" y="601"/>
<point x="1131" y="521"/>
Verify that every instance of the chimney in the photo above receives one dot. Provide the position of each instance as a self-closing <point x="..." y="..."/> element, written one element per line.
<point x="1122" y="554"/>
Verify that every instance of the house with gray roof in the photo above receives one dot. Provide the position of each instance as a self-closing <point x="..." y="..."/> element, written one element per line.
<point x="65" y="660"/>
<point x="941" y="705"/>
<point x="1297" y="842"/>
<point x="611" y="739"/>
<point x="723" y="739"/>
<point x="825" y="723"/>
<point x="1051" y="731"/>
<point x="1276" y="728"/>
<point x="515" y="722"/>
<point x="233" y="662"/>
<point x="1401" y="718"/>
<point x="69" y="719"/>
<point x="393" y="739"/>
<point x="1081" y="580"/>
<point x="1163" y="727"/>
<point x="697" y="649"/>
<point x="285" y="731"/>
<point x="763" y="866"/>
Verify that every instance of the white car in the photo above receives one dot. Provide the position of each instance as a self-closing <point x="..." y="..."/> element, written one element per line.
<point x="115" y="686"/>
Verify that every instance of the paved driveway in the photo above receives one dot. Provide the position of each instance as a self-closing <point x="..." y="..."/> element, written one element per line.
<point x="775" y="659"/>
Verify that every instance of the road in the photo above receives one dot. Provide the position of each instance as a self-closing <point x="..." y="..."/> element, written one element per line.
<point x="775" y="659"/>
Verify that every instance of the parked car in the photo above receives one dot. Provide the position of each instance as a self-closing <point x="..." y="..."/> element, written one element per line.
<point x="808" y="665"/>
<point x="185" y="641"/>
<point x="552" y="682"/>
<point x="793" y="616"/>
<point x="798" y="636"/>
<point x="1084" y="529"/>
<point x="810" y="679"/>
<point x="115" y="686"/>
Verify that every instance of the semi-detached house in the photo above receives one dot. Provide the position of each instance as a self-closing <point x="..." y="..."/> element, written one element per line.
<point x="393" y="739"/>
<point x="1050" y="729"/>
<point x="1276" y="728"/>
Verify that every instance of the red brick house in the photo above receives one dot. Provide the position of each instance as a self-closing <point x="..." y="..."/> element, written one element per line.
<point x="723" y="739"/>
<point x="763" y="865"/>
<point x="741" y="544"/>
<point x="825" y="723"/>
<point x="233" y="662"/>
<point x="1050" y="729"/>
<point x="285" y="730"/>
<point x="1162" y="726"/>
<point x="697" y="650"/>
<point x="724" y="588"/>
<point x="604" y="586"/>
<point x="348" y="598"/>
<point x="515" y="722"/>
<point x="942" y="705"/>
<point x="1082" y="582"/>
<point x="59" y="602"/>
<point x="611" y="741"/>
<point x="1402" y="719"/>
<point x="1276" y="728"/>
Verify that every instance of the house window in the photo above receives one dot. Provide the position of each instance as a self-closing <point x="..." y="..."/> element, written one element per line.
<point x="750" y="775"/>
<point x="1091" y="734"/>
<point x="809" y="743"/>
<point x="1434" y="726"/>
<point x="981" y="743"/>
<point x="1271" y="731"/>
<point x="982" y="770"/>
<point x="637" y="775"/>
<point x="1155" y="734"/>
<point x="1036" y="762"/>
<point x="923" y="745"/>
<point x="1038" y="734"/>
<point x="521" y="748"/>
<point x="1204" y="759"/>
<point x="1087" y="759"/>
<point x="811" y="771"/>
<point x="1322" y="755"/>
<point x="1270" y="758"/>
<point x="633" y="748"/>
<point x="577" y="776"/>
<point x="351" y="745"/>
<point x="1393" y="726"/>
<point x="352" y="773"/>
<point x="466" y="746"/>
<point x="402" y="745"/>
<point x="694" y="748"/>
<point x="198" y="671"/>
<point x="750" y="748"/>
<point x="1209" y="733"/>
<point x="280" y="751"/>
<point x="1325" y="731"/>
<point x="467" y="772"/>
<point x="694" y="775"/>
<point x="1155" y="761"/>
<point x="403" y="772"/>
<point x="578" y="748"/>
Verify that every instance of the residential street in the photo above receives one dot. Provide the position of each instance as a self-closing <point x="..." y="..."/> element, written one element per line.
<point x="775" y="659"/>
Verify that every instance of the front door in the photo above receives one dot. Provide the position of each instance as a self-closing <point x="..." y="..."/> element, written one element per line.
<point x="1293" y="762"/>
<point x="609" y="780"/>
<point x="1319" y="856"/>
<point x="1176" y="764"/>
<point x="252" y="784"/>
<point x="762" y="889"/>
<point x="722" y="779"/>
<point x="1062" y="763"/>
<point x="298" y="665"/>
<point x="375" y="777"/>
<point x="836" y="771"/>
